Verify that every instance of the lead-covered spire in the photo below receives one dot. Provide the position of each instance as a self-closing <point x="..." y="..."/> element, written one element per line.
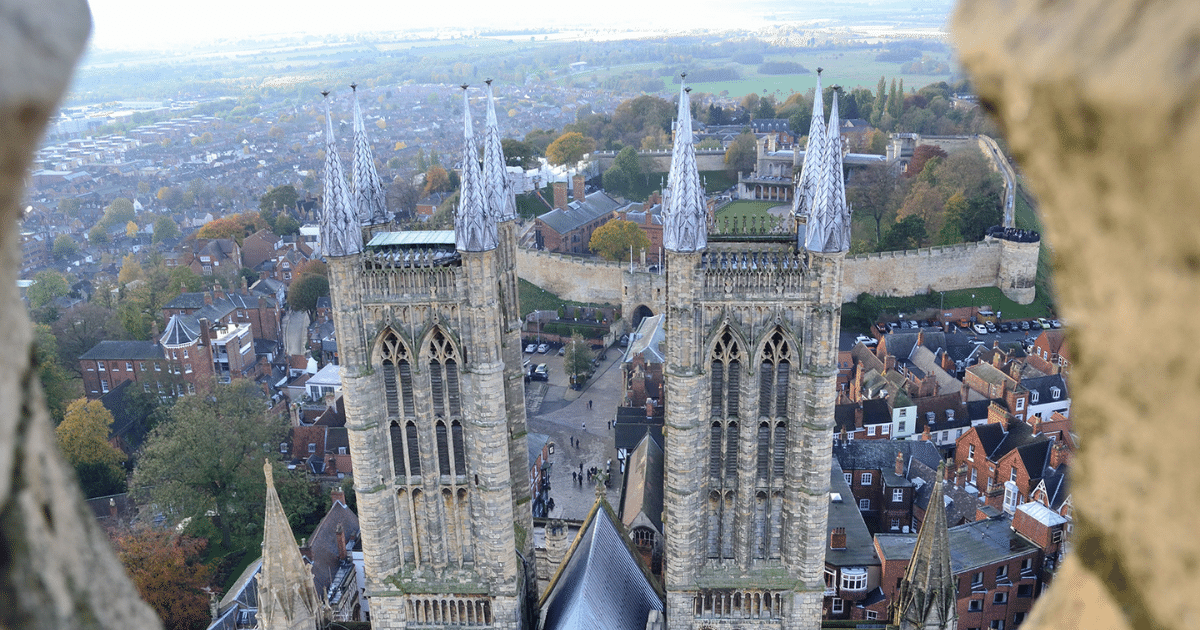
<point x="928" y="589"/>
<point x="287" y="595"/>
<point x="368" y="190"/>
<point x="685" y="212"/>
<point x="502" y="204"/>
<point x="340" y="231"/>
<point x="474" y="230"/>
<point x="806" y="186"/>
<point x="828" y="227"/>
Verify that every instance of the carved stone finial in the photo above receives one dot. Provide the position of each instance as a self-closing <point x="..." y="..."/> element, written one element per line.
<point x="324" y="93"/>
<point x="354" y="87"/>
<point x="819" y="70"/>
<point x="488" y="81"/>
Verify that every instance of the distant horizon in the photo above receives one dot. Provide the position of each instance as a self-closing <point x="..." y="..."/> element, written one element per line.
<point x="142" y="25"/>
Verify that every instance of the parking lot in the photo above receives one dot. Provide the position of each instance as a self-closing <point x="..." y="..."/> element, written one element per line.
<point x="1013" y="334"/>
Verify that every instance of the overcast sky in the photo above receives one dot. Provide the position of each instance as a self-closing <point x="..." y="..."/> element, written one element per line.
<point x="141" y="24"/>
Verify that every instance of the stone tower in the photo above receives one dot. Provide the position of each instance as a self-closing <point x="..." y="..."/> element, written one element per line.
<point x="430" y="365"/>
<point x="751" y="330"/>
<point x="928" y="589"/>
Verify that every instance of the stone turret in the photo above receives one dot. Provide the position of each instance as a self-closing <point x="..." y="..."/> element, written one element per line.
<point x="340" y="232"/>
<point x="685" y="213"/>
<point x="368" y="190"/>
<point x="287" y="596"/>
<point x="474" y="227"/>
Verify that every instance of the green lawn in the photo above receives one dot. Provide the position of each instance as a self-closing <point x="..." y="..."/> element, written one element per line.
<point x="714" y="182"/>
<point x="534" y="298"/>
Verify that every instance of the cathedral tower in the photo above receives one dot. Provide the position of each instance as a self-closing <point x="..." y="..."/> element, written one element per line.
<point x="751" y="338"/>
<point x="424" y="334"/>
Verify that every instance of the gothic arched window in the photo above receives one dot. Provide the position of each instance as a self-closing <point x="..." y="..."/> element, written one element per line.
<point x="443" y="376"/>
<point x="773" y="373"/>
<point x="397" y="375"/>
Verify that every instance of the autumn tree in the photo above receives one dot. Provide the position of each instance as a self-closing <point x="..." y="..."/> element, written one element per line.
<point x="314" y="267"/>
<point x="569" y="148"/>
<point x="119" y="212"/>
<point x="285" y="225"/>
<point x="402" y="196"/>
<point x="278" y="199"/>
<point x="131" y="269"/>
<point x="304" y="292"/>
<point x="166" y="568"/>
<point x="170" y="197"/>
<point x="58" y="383"/>
<point x="742" y="154"/>
<point x="206" y="460"/>
<point x="518" y="153"/>
<point x="922" y="154"/>
<point x="614" y="239"/>
<point x="83" y="439"/>
<point x="234" y="226"/>
<point x="437" y="179"/>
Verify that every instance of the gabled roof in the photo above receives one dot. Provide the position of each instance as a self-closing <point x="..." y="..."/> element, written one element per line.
<point x="972" y="545"/>
<point x="601" y="584"/>
<point x="323" y="547"/>
<point x="1043" y="385"/>
<point x="579" y="213"/>
<point x="881" y="454"/>
<point x="643" y="493"/>
<point x="645" y="341"/>
<point x="844" y="513"/>
<point x="876" y="411"/>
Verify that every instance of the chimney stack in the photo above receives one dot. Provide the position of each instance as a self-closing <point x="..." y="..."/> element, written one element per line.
<point x="338" y="495"/>
<point x="577" y="182"/>
<point x="837" y="538"/>
<point x="560" y="195"/>
<point x="208" y="298"/>
<point x="112" y="508"/>
<point x="154" y="329"/>
<point x="1036" y="423"/>
<point x="205" y="335"/>
<point x="925" y="434"/>
<point x="341" y="541"/>
<point x="899" y="464"/>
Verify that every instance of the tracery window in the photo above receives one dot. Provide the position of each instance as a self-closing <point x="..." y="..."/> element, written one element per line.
<point x="443" y="376"/>
<point x="773" y="375"/>
<point x="397" y="375"/>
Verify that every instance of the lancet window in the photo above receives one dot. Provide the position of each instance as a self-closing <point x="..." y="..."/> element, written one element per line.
<point x="773" y="377"/>
<point x="443" y="376"/>
<point x="396" y="366"/>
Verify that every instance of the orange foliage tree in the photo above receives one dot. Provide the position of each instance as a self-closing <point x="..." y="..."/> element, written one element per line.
<point x="168" y="573"/>
<point x="234" y="226"/>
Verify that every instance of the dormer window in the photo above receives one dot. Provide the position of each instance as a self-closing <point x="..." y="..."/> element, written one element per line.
<point x="1055" y="392"/>
<point x="1033" y="397"/>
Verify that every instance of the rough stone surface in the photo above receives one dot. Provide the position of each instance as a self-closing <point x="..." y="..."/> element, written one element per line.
<point x="1099" y="101"/>
<point x="56" y="567"/>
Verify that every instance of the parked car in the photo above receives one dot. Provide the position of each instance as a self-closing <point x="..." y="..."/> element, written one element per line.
<point x="1041" y="321"/>
<point x="868" y="341"/>
<point x="1054" y="323"/>
<point x="543" y="349"/>
<point x="1024" y="325"/>
<point x="540" y="373"/>
<point x="1005" y="327"/>
<point x="991" y="326"/>
<point x="562" y="350"/>
<point x="980" y="329"/>
<point x="531" y="348"/>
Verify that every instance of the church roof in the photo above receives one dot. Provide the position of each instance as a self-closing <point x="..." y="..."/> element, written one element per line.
<point x="601" y="585"/>
<point x="643" y="493"/>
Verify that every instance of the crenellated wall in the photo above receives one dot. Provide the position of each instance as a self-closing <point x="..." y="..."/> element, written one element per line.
<point x="570" y="277"/>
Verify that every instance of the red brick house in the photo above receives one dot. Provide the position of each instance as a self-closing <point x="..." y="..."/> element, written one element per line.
<point x="110" y="363"/>
<point x="1050" y="353"/>
<point x="262" y="313"/>
<point x="568" y="227"/>
<point x="1005" y="461"/>
<point x="880" y="476"/>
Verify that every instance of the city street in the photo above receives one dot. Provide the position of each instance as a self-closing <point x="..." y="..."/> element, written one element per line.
<point x="565" y="415"/>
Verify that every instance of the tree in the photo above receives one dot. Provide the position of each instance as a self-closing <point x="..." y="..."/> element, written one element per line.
<point x="98" y="235"/>
<point x="569" y="148"/>
<point x="920" y="156"/>
<point x="131" y="270"/>
<point x="314" y="267"/>
<point x="234" y="226"/>
<point x="437" y="179"/>
<point x="304" y="292"/>
<point x="47" y="285"/>
<point x="742" y="154"/>
<point x="168" y="573"/>
<point x="64" y="247"/>
<point x="84" y="326"/>
<point x="621" y="176"/>
<point x="402" y="196"/>
<point x="206" y="460"/>
<point x="171" y="197"/>
<point x="279" y="198"/>
<point x="131" y="229"/>
<point x="69" y="206"/>
<point x="165" y="228"/>
<point x="614" y="239"/>
<point x="577" y="360"/>
<point x="119" y="212"/>
<point x="83" y="439"/>
<point x="517" y="153"/>
<point x="874" y="193"/>
<point x="285" y="225"/>
<point x="59" y="385"/>
<point x="909" y="233"/>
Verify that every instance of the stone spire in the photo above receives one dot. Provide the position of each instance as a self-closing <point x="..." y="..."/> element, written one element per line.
<point x="926" y="600"/>
<point x="828" y="217"/>
<point x="340" y="232"/>
<point x="802" y="201"/>
<point x="502" y="204"/>
<point x="685" y="212"/>
<point x="368" y="190"/>
<point x="287" y="595"/>
<point x="474" y="228"/>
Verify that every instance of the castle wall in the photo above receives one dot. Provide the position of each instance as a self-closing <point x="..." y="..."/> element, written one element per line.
<point x="571" y="278"/>
<point x="912" y="272"/>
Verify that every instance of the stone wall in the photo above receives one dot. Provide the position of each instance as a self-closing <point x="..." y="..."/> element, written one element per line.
<point x="570" y="277"/>
<point x="992" y="262"/>
<point x="660" y="161"/>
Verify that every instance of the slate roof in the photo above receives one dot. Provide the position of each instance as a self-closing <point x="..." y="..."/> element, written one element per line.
<point x="1042" y="386"/>
<point x="972" y="545"/>
<point x="859" y="551"/>
<point x="181" y="331"/>
<point x="881" y="454"/>
<point x="535" y="442"/>
<point x="601" y="584"/>
<point x="643" y="491"/>
<point x="323" y="548"/>
<point x="876" y="411"/>
<point x="843" y="418"/>
<point x="632" y="424"/>
<point x="579" y="213"/>
<point x="123" y="350"/>
<point x="645" y="341"/>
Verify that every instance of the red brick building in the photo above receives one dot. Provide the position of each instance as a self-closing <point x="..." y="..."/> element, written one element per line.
<point x="1050" y="353"/>
<point x="568" y="227"/>
<point x="262" y="313"/>
<point x="1006" y="460"/>
<point x="110" y="363"/>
